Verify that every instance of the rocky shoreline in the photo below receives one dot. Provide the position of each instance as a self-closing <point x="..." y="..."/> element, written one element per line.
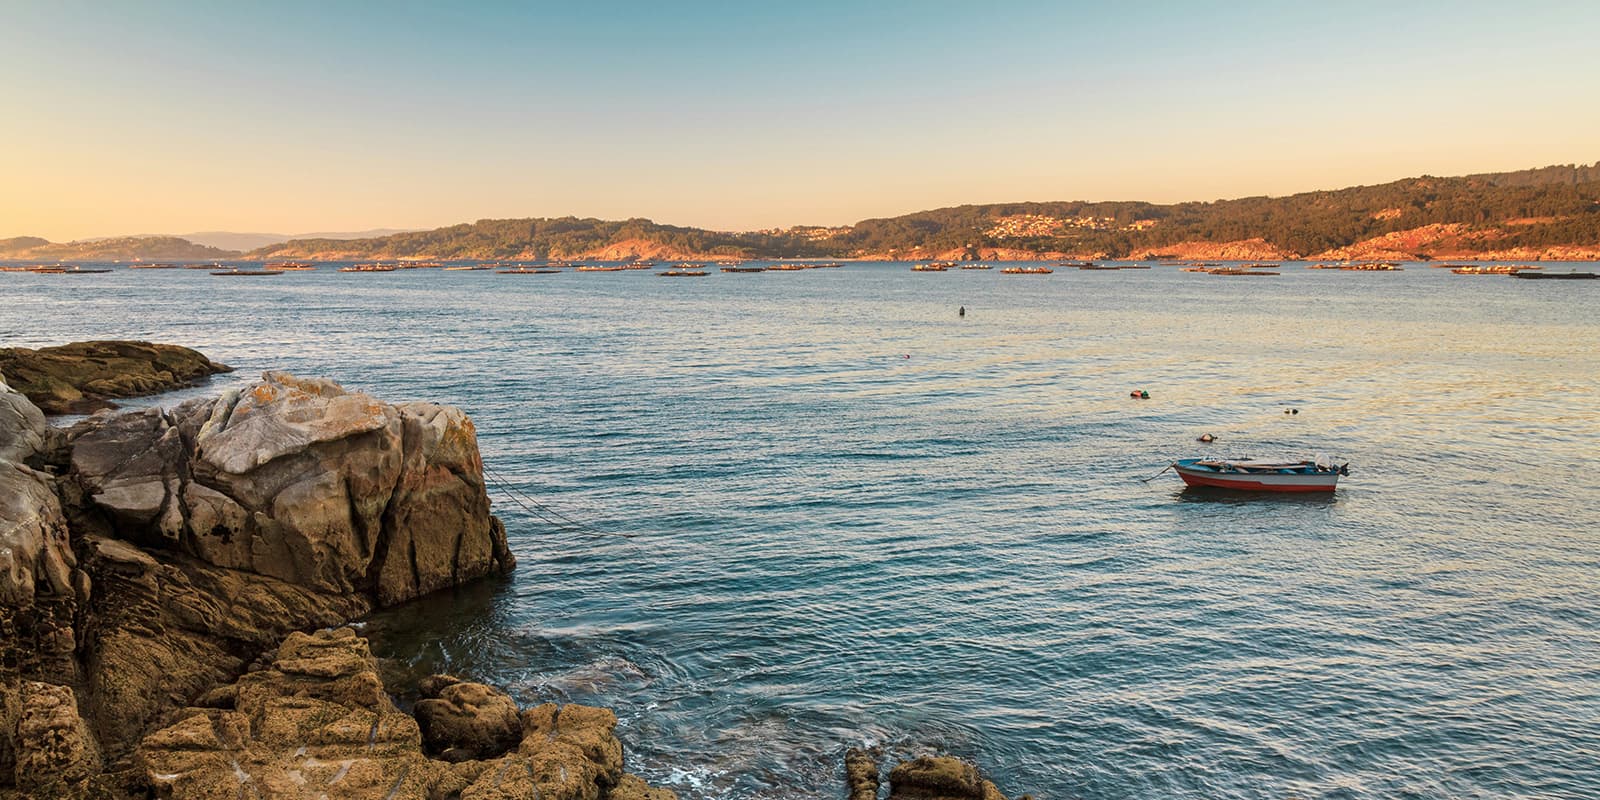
<point x="83" y="377"/>
<point x="174" y="586"/>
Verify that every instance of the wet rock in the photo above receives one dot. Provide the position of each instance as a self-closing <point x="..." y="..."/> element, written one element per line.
<point x="861" y="774"/>
<point x="939" y="778"/>
<point x="462" y="721"/>
<point x="632" y="787"/>
<point x="300" y="480"/>
<point x="81" y="377"/>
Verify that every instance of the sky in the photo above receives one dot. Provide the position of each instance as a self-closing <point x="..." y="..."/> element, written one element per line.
<point x="286" y="117"/>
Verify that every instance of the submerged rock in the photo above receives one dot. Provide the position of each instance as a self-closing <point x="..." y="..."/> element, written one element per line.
<point x="81" y="377"/>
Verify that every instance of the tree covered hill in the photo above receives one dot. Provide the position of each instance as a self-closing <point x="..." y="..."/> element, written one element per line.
<point x="125" y="248"/>
<point x="1531" y="213"/>
<point x="1548" y="212"/>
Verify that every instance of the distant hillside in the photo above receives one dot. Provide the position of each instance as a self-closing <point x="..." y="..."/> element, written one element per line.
<point x="1545" y="213"/>
<point x="229" y="240"/>
<point x="126" y="248"/>
<point x="565" y="237"/>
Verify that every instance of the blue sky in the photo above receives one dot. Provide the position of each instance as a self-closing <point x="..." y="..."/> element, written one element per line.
<point x="171" y="117"/>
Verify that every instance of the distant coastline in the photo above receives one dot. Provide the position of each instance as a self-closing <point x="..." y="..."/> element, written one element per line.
<point x="1544" y="214"/>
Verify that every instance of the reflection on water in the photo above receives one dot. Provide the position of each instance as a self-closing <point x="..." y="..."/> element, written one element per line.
<point x="807" y="540"/>
<point x="1209" y="494"/>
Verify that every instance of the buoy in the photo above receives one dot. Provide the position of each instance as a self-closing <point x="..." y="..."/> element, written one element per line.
<point x="1206" y="437"/>
<point x="908" y="355"/>
<point x="1291" y="411"/>
<point x="1139" y="394"/>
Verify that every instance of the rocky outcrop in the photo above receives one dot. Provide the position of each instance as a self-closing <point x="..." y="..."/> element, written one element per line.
<point x="939" y="778"/>
<point x="300" y="480"/>
<point x="180" y="544"/>
<point x="160" y="631"/>
<point x="54" y="748"/>
<point x="1257" y="249"/>
<point x="24" y="434"/>
<point x="81" y="377"/>
<point x="316" y="722"/>
<point x="861" y="774"/>
<point x="462" y="721"/>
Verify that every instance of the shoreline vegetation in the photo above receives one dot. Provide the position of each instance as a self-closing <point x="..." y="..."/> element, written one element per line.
<point x="1545" y="214"/>
<point x="177" y="585"/>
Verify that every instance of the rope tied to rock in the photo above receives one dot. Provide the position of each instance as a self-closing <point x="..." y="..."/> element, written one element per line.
<point x="542" y="512"/>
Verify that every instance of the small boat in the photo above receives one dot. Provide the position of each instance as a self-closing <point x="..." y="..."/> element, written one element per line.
<point x="1557" y="276"/>
<point x="1236" y="271"/>
<point x="246" y="273"/>
<point x="1317" y="475"/>
<point x="78" y="271"/>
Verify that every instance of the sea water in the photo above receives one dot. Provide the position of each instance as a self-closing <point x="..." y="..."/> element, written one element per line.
<point x="767" y="517"/>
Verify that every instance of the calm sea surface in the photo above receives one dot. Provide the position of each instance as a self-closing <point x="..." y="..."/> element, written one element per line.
<point x="820" y="510"/>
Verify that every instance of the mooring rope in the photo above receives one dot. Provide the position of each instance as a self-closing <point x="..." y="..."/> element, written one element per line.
<point x="542" y="512"/>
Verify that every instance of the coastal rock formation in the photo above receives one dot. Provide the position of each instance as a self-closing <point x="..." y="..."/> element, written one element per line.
<point x="80" y="377"/>
<point x="24" y="434"/>
<point x="861" y="774"/>
<point x="300" y="480"/>
<point x="181" y="544"/>
<point x="54" y="748"/>
<point x="939" y="778"/>
<point x="462" y="721"/>
<point x="316" y="722"/>
<point x="1405" y="245"/>
<point x="1257" y="249"/>
<point x="159" y="631"/>
<point x="39" y="582"/>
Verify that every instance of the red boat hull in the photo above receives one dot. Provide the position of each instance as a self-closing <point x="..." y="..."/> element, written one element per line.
<point x="1262" y="483"/>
